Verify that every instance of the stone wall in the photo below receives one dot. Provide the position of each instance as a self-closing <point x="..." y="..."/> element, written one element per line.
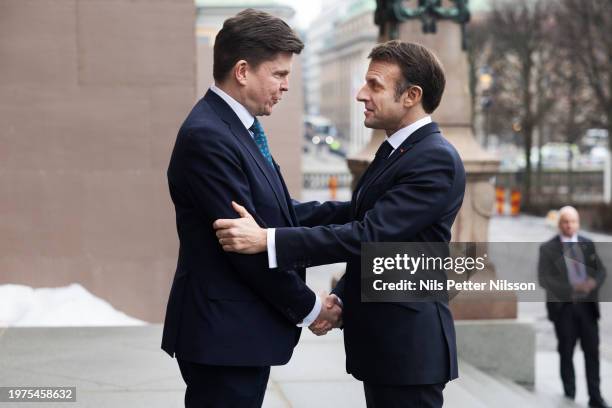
<point x="92" y="93"/>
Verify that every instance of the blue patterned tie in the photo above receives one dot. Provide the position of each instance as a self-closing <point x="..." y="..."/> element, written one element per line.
<point x="261" y="141"/>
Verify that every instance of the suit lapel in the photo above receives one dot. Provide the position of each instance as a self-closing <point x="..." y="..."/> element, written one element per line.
<point x="287" y="196"/>
<point x="244" y="137"/>
<point x="362" y="179"/>
<point x="584" y="245"/>
<point x="560" y="263"/>
<point x="368" y="179"/>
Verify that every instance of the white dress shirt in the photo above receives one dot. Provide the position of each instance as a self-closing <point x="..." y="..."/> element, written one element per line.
<point x="573" y="238"/>
<point x="247" y="120"/>
<point x="396" y="139"/>
<point x="243" y="114"/>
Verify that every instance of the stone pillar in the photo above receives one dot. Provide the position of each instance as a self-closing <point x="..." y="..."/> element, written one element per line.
<point x="92" y="93"/>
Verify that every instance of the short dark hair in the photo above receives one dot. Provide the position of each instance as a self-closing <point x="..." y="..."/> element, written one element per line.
<point x="418" y="66"/>
<point x="254" y="36"/>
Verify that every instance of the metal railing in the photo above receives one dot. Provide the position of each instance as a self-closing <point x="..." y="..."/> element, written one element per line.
<point x="579" y="186"/>
<point x="321" y="180"/>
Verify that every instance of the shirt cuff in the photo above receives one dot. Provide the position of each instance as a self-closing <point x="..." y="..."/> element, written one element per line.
<point x="340" y="301"/>
<point x="314" y="313"/>
<point x="271" y="248"/>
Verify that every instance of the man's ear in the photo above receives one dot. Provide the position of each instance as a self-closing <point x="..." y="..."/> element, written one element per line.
<point x="240" y="71"/>
<point x="413" y="96"/>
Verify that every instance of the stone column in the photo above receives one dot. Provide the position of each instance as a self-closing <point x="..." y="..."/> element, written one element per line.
<point x="92" y="93"/>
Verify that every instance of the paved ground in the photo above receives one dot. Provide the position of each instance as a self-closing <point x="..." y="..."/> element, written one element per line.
<point x="124" y="367"/>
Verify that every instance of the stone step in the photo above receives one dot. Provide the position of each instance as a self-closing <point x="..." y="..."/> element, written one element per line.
<point x="486" y="389"/>
<point x="544" y="401"/>
<point x="490" y="390"/>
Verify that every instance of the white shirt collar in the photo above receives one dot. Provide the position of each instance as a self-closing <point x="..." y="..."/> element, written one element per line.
<point x="245" y="117"/>
<point x="573" y="238"/>
<point x="398" y="137"/>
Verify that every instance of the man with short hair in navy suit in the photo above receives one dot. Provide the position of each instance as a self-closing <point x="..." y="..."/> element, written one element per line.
<point x="404" y="353"/>
<point x="230" y="316"/>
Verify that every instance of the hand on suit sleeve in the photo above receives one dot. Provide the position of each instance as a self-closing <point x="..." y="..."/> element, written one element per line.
<point x="203" y="175"/>
<point x="330" y="316"/>
<point x="241" y="235"/>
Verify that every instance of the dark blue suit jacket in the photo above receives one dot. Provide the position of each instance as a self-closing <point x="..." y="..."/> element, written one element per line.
<point x="552" y="275"/>
<point x="227" y="308"/>
<point x="414" y="197"/>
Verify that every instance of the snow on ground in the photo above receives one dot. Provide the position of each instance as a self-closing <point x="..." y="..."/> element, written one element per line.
<point x="71" y="305"/>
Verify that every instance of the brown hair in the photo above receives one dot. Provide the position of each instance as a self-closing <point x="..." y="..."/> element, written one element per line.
<point x="254" y="36"/>
<point x="418" y="65"/>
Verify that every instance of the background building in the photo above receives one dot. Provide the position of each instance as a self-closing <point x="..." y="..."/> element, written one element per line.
<point x="318" y="37"/>
<point x="340" y="40"/>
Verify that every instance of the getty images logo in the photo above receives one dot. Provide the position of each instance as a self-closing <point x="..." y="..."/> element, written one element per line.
<point x="412" y="264"/>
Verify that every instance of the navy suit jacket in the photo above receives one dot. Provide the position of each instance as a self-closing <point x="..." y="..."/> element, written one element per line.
<point x="227" y="308"/>
<point x="413" y="197"/>
<point x="552" y="275"/>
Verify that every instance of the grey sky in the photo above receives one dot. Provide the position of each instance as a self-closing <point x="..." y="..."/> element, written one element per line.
<point x="307" y="10"/>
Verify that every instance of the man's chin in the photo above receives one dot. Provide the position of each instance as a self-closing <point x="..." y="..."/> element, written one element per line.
<point x="370" y="124"/>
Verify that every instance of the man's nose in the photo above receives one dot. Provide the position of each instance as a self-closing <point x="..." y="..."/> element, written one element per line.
<point x="362" y="95"/>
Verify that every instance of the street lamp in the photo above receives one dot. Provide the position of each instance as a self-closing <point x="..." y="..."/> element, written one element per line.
<point x="428" y="11"/>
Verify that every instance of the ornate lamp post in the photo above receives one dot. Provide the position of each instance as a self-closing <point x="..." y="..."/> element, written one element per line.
<point x="429" y="12"/>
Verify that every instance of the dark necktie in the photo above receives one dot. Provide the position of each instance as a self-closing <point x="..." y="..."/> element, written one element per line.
<point x="381" y="156"/>
<point x="383" y="152"/>
<point x="261" y="141"/>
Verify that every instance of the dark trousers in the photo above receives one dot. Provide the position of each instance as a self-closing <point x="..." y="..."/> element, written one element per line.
<point x="403" y="396"/>
<point x="577" y="322"/>
<point x="222" y="386"/>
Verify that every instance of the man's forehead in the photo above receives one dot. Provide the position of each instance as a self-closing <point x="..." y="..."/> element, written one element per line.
<point x="568" y="212"/>
<point x="382" y="69"/>
<point x="280" y="63"/>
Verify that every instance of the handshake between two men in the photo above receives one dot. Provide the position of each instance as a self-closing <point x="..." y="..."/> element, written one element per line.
<point x="330" y="316"/>
<point x="243" y="235"/>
